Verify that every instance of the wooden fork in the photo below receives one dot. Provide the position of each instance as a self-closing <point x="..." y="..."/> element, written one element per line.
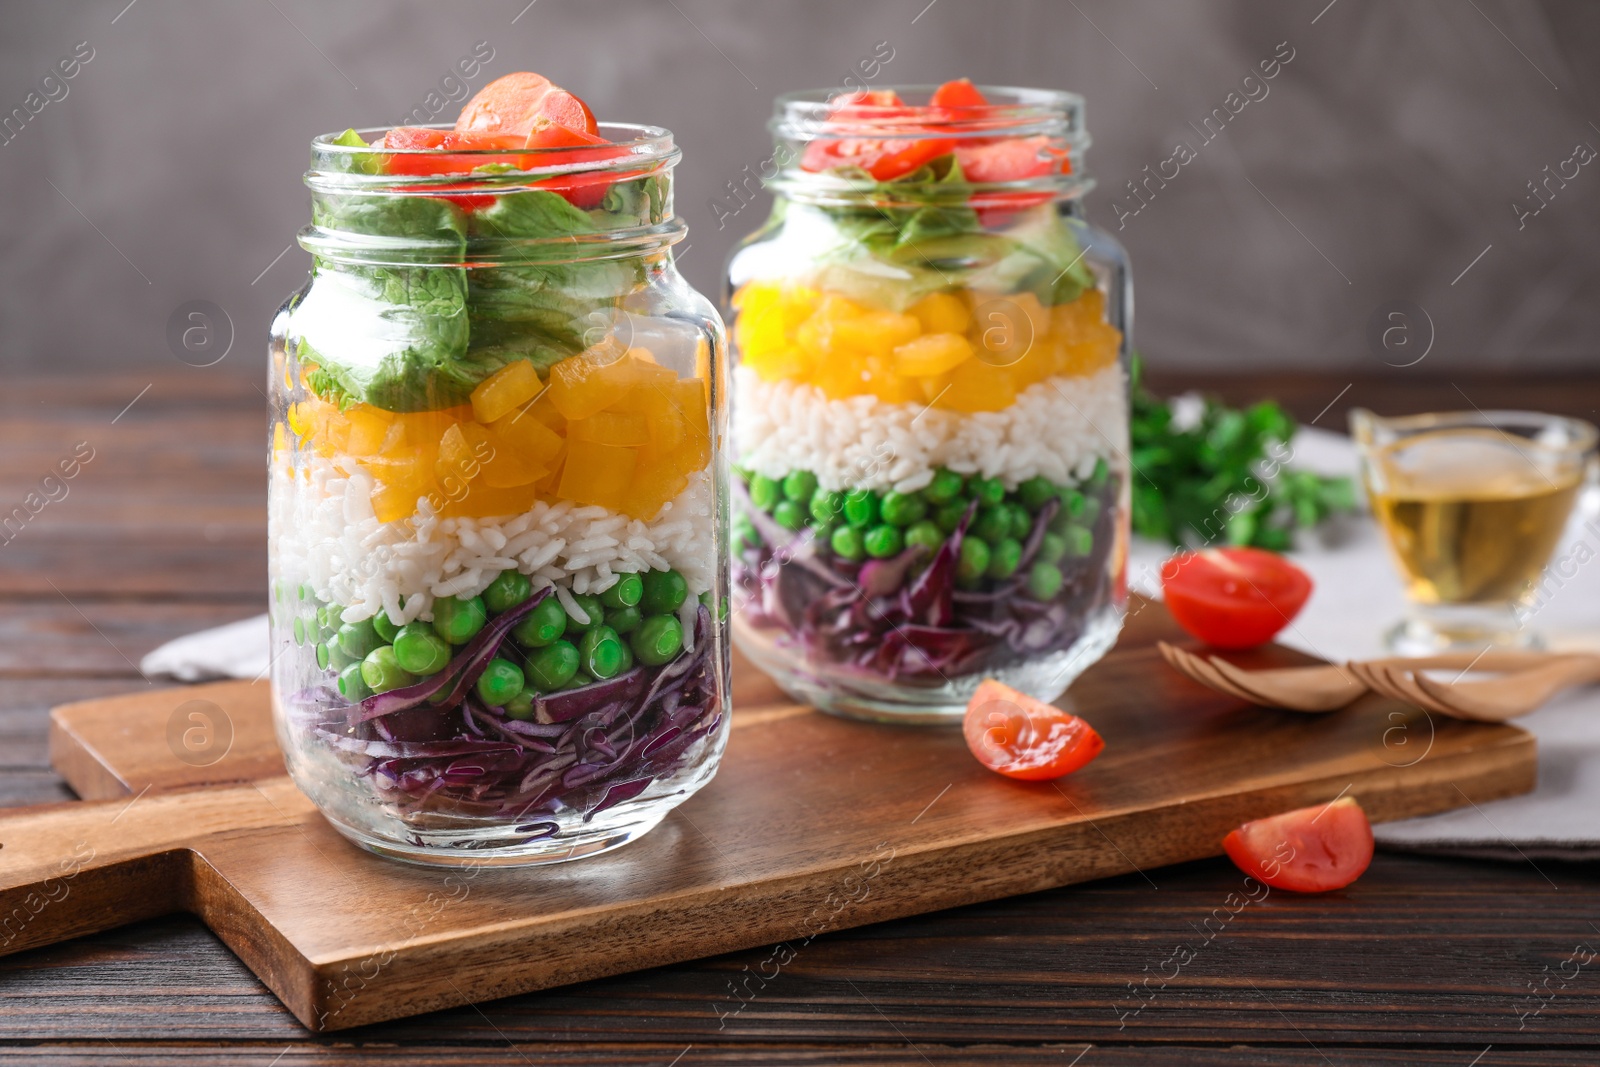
<point x="1531" y="679"/>
<point x="1323" y="687"/>
<point x="1187" y="663"/>
<point x="1510" y="695"/>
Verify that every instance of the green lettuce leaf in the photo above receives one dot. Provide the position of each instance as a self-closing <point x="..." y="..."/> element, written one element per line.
<point x="415" y="218"/>
<point x="542" y="310"/>
<point x="535" y="213"/>
<point x="395" y="337"/>
<point x="356" y="162"/>
<point x="932" y="240"/>
<point x="420" y="338"/>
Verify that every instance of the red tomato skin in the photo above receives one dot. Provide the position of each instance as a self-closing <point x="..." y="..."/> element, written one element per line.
<point x="565" y="109"/>
<point x="464" y="201"/>
<point x="547" y="134"/>
<point x="412" y="137"/>
<point x="504" y="103"/>
<point x="982" y="160"/>
<point x="820" y="155"/>
<point x="513" y="103"/>
<point x="1266" y="593"/>
<point x="885" y="160"/>
<point x="1011" y="160"/>
<point x="1309" y="850"/>
<point x="958" y="93"/>
<point x="581" y="190"/>
<point x="999" y="716"/>
<point x="908" y="156"/>
<point x="581" y="147"/>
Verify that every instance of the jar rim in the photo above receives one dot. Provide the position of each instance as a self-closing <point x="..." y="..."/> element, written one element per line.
<point x="1012" y="111"/>
<point x="812" y="116"/>
<point x="647" y="154"/>
<point x="645" y="148"/>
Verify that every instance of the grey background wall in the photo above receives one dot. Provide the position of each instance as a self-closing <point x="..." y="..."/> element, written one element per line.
<point x="1384" y="161"/>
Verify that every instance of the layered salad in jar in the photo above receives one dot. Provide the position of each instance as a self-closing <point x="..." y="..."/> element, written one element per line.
<point x="493" y="522"/>
<point x="930" y="412"/>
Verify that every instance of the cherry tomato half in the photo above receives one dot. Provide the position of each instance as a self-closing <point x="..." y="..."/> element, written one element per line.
<point x="1233" y="597"/>
<point x="1020" y="737"/>
<point x="1311" y="850"/>
<point x="958" y="93"/>
<point x="514" y="103"/>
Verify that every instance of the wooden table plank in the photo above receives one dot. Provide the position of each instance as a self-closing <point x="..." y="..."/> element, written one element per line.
<point x="619" y="1055"/>
<point x="155" y="564"/>
<point x="58" y="636"/>
<point x="612" y="1055"/>
<point x="1358" y="968"/>
<point x="24" y="715"/>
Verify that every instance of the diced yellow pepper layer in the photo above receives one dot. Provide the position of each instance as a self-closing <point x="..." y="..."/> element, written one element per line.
<point x="932" y="353"/>
<point x="962" y="350"/>
<point x="620" y="431"/>
<point x="505" y="390"/>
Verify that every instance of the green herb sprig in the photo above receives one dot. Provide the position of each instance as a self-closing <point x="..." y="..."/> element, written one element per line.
<point x="1224" y="479"/>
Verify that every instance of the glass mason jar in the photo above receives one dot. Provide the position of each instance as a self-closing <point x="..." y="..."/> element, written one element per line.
<point x="494" y="536"/>
<point x="930" y="415"/>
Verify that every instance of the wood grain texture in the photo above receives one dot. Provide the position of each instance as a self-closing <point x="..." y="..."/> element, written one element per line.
<point x="1350" y="971"/>
<point x="607" y="1054"/>
<point x="871" y="823"/>
<point x="1424" y="961"/>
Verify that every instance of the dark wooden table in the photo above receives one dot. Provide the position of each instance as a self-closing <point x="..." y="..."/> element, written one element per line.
<point x="1422" y="962"/>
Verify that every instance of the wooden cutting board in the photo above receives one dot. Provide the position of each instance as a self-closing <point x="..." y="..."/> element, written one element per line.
<point x="813" y="823"/>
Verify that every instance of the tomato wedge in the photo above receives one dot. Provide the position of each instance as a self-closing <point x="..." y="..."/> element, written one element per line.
<point x="581" y="190"/>
<point x="513" y="104"/>
<point x="1233" y="597"/>
<point x="414" y="137"/>
<point x="885" y="159"/>
<point x="1020" y="737"/>
<point x="958" y="93"/>
<point x="1010" y="160"/>
<point x="1311" y="850"/>
<point x="548" y="134"/>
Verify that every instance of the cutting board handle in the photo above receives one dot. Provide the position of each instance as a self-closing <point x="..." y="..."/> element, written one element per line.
<point x="85" y="866"/>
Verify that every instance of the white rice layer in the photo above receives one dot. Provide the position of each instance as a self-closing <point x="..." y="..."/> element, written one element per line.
<point x="1057" y="428"/>
<point x="322" y="531"/>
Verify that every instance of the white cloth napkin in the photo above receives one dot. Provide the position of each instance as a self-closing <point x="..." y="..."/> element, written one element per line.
<point x="1357" y="596"/>
<point x="237" y="650"/>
